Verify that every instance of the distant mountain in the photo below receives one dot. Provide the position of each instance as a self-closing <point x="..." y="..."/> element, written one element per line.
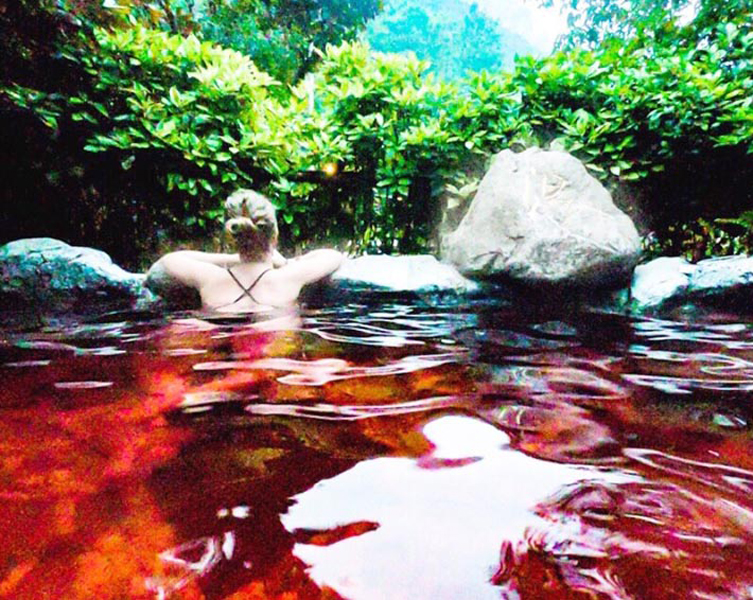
<point x="454" y="35"/>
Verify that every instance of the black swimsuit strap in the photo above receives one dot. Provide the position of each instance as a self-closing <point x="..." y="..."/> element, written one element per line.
<point x="247" y="290"/>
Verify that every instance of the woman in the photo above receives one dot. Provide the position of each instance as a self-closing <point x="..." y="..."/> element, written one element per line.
<point x="258" y="278"/>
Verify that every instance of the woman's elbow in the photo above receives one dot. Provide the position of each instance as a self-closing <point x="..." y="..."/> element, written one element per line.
<point x="174" y="264"/>
<point x="318" y="264"/>
<point x="332" y="260"/>
<point x="163" y="263"/>
<point x="337" y="259"/>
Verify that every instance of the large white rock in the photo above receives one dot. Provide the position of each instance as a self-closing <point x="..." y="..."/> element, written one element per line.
<point x="539" y="217"/>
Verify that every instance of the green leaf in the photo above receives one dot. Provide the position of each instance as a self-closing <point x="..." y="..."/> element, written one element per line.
<point x="174" y="96"/>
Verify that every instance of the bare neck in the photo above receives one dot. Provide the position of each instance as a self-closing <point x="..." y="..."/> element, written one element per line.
<point x="265" y="258"/>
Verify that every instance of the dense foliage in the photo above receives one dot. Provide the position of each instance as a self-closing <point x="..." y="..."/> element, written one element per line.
<point x="377" y="118"/>
<point x="149" y="130"/>
<point x="591" y="23"/>
<point x="281" y="36"/>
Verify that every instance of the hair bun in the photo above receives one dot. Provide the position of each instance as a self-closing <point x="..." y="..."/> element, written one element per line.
<point x="253" y="223"/>
<point x="262" y="220"/>
<point x="239" y="225"/>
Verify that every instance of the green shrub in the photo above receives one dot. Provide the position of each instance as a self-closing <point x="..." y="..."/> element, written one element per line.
<point x="203" y="106"/>
<point x="384" y="123"/>
<point x="703" y="238"/>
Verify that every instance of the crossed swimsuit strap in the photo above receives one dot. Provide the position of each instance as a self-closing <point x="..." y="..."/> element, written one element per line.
<point x="247" y="290"/>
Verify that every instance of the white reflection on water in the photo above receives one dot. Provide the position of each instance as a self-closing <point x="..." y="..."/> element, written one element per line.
<point x="434" y="539"/>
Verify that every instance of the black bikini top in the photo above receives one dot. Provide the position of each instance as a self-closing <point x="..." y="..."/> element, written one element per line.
<point x="247" y="290"/>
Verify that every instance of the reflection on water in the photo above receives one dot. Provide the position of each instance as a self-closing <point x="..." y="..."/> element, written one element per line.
<point x="445" y="514"/>
<point x="393" y="451"/>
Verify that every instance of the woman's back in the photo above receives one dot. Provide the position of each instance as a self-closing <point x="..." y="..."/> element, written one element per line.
<point x="226" y="284"/>
<point x="258" y="277"/>
<point x="250" y="287"/>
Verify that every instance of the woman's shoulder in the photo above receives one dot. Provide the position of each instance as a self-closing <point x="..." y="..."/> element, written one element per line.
<point x="192" y="267"/>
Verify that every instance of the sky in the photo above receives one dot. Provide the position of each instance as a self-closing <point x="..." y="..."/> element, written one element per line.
<point x="539" y="26"/>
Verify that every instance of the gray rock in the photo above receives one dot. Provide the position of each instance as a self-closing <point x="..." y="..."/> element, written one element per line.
<point x="374" y="276"/>
<point x="659" y="283"/>
<point x="43" y="274"/>
<point x="725" y="281"/>
<point x="719" y="275"/>
<point x="416" y="274"/>
<point x="675" y="287"/>
<point x="539" y="217"/>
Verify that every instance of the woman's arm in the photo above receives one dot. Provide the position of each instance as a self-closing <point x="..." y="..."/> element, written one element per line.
<point x="214" y="258"/>
<point x="190" y="267"/>
<point x="315" y="265"/>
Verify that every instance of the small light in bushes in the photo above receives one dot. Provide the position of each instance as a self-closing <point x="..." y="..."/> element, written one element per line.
<point x="330" y="169"/>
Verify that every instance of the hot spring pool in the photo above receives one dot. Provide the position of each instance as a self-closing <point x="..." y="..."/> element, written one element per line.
<point x="378" y="452"/>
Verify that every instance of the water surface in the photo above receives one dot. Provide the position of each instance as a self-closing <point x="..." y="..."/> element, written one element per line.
<point x="384" y="451"/>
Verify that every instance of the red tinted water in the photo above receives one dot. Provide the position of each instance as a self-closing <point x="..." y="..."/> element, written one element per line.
<point x="389" y="452"/>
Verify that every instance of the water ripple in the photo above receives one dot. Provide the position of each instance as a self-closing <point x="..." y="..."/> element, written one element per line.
<point x="320" y="372"/>
<point x="689" y="385"/>
<point x="711" y="474"/>
<point x="329" y="412"/>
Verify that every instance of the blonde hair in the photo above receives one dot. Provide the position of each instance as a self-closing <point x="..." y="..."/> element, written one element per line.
<point x="253" y="223"/>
